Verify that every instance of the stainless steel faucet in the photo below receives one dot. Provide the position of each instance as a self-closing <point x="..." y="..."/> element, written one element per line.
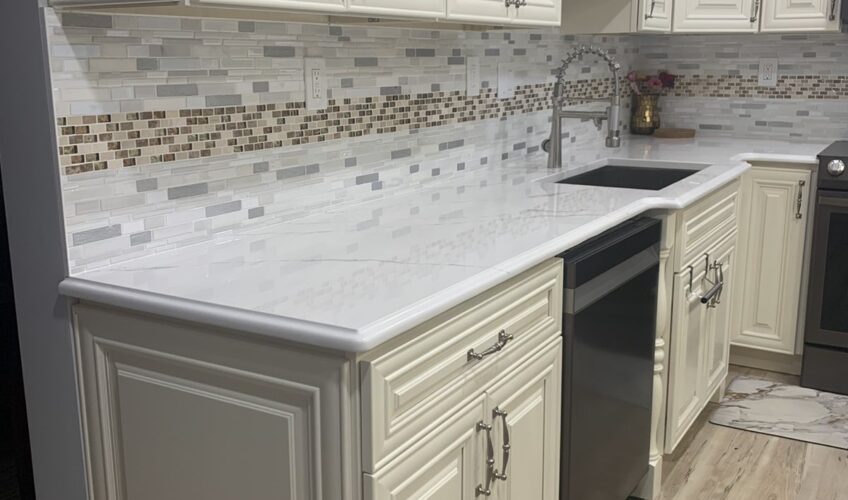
<point x="553" y="145"/>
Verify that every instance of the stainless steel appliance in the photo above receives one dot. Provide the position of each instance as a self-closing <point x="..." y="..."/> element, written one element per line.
<point x="825" y="364"/>
<point x="609" y="330"/>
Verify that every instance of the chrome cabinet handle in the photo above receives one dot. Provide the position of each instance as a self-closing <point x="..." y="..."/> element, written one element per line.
<point x="503" y="339"/>
<point x="497" y="412"/>
<point x="832" y="16"/>
<point x="490" y="461"/>
<point x="650" y="14"/>
<point x="800" y="202"/>
<point x="756" y="11"/>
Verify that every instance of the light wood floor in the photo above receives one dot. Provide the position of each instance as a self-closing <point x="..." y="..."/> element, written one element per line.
<point x="718" y="463"/>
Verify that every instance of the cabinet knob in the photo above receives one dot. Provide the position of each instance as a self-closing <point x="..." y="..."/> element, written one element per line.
<point x="836" y="167"/>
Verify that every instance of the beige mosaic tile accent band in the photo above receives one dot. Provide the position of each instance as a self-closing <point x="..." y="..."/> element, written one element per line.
<point x="108" y="141"/>
<point x="740" y="86"/>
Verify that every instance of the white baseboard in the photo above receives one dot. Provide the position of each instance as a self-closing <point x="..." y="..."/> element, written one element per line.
<point x="765" y="360"/>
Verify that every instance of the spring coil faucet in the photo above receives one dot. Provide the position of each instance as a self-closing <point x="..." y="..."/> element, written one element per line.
<point x="553" y="145"/>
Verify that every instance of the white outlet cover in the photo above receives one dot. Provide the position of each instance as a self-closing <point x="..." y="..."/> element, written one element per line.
<point x="472" y="76"/>
<point x="506" y="81"/>
<point x="768" y="73"/>
<point x="315" y="83"/>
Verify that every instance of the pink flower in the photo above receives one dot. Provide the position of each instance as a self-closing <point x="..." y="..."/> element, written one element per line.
<point x="655" y="84"/>
<point x="667" y="79"/>
<point x="633" y="76"/>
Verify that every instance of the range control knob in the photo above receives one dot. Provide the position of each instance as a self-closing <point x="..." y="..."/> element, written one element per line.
<point x="836" y="167"/>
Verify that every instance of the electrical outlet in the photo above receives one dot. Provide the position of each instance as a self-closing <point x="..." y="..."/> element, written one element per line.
<point x="472" y="76"/>
<point x="506" y="81"/>
<point x="315" y="81"/>
<point x="768" y="73"/>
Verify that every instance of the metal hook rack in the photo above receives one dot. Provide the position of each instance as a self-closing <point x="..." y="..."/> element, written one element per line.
<point x="713" y="295"/>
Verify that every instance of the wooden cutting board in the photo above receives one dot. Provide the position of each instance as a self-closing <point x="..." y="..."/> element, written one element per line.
<point x="674" y="133"/>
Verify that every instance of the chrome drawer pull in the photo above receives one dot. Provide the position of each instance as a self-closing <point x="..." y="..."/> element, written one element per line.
<point x="497" y="412"/>
<point x="490" y="461"/>
<point x="503" y="338"/>
<point x="800" y="201"/>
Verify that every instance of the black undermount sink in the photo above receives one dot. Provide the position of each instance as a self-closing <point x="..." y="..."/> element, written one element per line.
<point x="619" y="176"/>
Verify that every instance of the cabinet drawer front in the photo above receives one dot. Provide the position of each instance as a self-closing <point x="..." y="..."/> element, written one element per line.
<point x="447" y="463"/>
<point x="410" y="385"/>
<point x="708" y="221"/>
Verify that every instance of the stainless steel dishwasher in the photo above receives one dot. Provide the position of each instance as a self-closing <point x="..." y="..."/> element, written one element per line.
<point x="609" y="328"/>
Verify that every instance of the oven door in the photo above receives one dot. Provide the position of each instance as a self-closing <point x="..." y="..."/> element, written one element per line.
<point x="827" y="303"/>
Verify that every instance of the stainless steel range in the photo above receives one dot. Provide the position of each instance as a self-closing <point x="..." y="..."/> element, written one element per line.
<point x="826" y="338"/>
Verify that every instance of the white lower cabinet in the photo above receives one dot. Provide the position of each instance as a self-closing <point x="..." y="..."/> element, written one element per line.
<point x="503" y="445"/>
<point x="447" y="465"/>
<point x="719" y="316"/>
<point x="465" y="402"/>
<point x="773" y="228"/>
<point x="173" y="411"/>
<point x="700" y="342"/>
<point x="686" y="388"/>
<point x="525" y="414"/>
<point x="697" y="340"/>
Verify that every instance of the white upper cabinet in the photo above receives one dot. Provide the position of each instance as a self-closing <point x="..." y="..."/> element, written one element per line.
<point x="392" y="8"/>
<point x="615" y="16"/>
<point x="717" y="16"/>
<point x="801" y="15"/>
<point x="654" y="15"/>
<point x="484" y="11"/>
<point x="311" y="5"/>
<point x="538" y="12"/>
<point x="490" y="12"/>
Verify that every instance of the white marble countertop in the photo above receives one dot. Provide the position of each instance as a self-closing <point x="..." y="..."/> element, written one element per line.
<point x="352" y="278"/>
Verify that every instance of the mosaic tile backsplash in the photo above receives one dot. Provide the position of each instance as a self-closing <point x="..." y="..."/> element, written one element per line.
<point x="172" y="130"/>
<point x="718" y="91"/>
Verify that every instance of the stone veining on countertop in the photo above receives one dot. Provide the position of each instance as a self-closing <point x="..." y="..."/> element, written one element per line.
<point x="352" y="277"/>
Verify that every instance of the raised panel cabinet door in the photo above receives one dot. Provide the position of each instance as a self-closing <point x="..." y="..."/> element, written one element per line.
<point x="480" y="11"/>
<point x="524" y="410"/>
<point x="801" y="15"/>
<point x="772" y="232"/>
<point x="539" y="13"/>
<point x="172" y="412"/>
<point x="446" y="464"/>
<point x="311" y="5"/>
<point x="686" y="383"/>
<point x="719" y="16"/>
<point x="719" y="317"/>
<point x="654" y="15"/>
<point x="429" y="9"/>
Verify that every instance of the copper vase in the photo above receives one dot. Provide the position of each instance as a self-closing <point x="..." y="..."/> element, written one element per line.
<point x="645" y="117"/>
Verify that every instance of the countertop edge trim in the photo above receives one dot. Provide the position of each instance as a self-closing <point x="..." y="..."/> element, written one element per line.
<point x="260" y="323"/>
